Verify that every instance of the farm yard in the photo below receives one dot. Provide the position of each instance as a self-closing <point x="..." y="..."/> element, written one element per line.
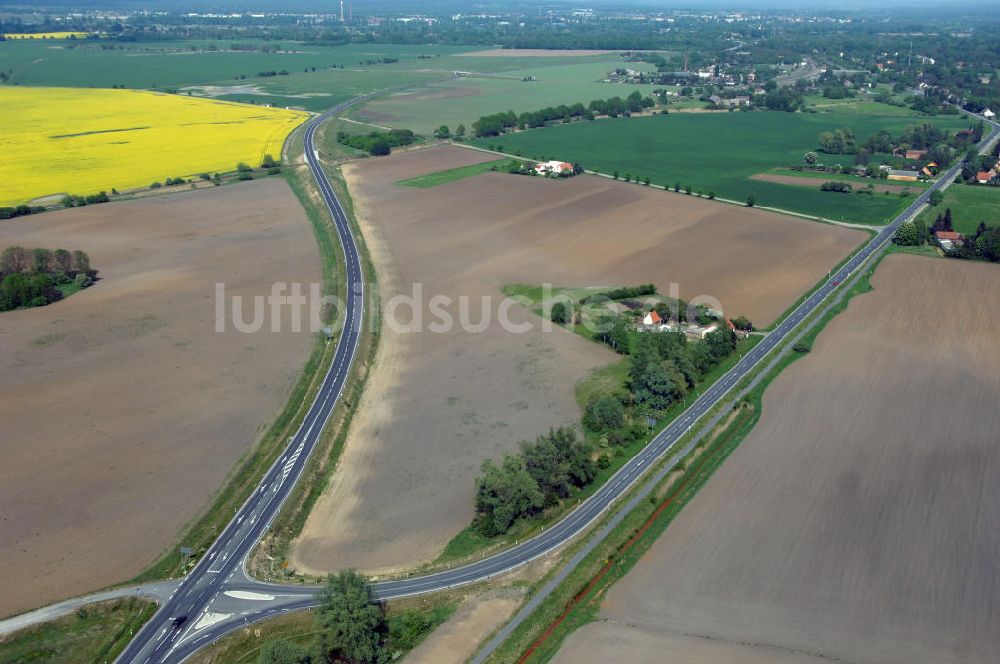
<point x="428" y="416"/>
<point x="853" y="523"/>
<point x="95" y="452"/>
<point x="712" y="152"/>
<point x="61" y="141"/>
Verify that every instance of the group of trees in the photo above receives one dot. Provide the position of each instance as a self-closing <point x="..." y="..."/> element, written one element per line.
<point x="664" y="367"/>
<point x="499" y="123"/>
<point x="444" y="132"/>
<point x="544" y="472"/>
<point x="377" y="143"/>
<point x="834" y="185"/>
<point x="912" y="234"/>
<point x="984" y="244"/>
<point x="350" y="627"/>
<point x="20" y="211"/>
<point x="31" y="277"/>
<point x="788" y="99"/>
<point x="838" y="141"/>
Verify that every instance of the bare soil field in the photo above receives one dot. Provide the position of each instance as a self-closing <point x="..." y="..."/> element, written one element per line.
<point x="816" y="183"/>
<point x="857" y="521"/>
<point x="458" y="638"/>
<point x="438" y="404"/>
<point x="122" y="409"/>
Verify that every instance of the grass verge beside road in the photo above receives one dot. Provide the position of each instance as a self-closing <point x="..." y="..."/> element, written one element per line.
<point x="410" y="621"/>
<point x="95" y="633"/>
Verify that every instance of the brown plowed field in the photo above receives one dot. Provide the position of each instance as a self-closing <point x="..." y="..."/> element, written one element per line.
<point x="438" y="404"/>
<point x="816" y="183"/>
<point x="122" y="409"/>
<point x="857" y="522"/>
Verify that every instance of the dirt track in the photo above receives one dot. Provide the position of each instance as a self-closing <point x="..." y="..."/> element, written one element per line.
<point x="438" y="404"/>
<point x="122" y="409"/>
<point x="857" y="522"/>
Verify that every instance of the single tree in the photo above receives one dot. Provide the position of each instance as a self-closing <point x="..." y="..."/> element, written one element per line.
<point x="349" y="623"/>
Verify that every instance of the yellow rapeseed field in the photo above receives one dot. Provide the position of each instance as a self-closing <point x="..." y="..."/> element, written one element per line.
<point x="82" y="141"/>
<point x="46" y="35"/>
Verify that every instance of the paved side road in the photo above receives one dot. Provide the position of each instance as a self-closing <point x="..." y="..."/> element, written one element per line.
<point x="157" y="592"/>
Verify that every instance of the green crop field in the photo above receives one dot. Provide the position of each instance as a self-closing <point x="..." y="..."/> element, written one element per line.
<point x="178" y="64"/>
<point x="719" y="152"/>
<point x="969" y="205"/>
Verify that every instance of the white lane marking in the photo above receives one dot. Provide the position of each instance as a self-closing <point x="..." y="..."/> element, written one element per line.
<point x="246" y="594"/>
<point x="209" y="618"/>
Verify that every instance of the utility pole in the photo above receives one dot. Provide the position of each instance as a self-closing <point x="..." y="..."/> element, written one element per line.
<point x="341" y="11"/>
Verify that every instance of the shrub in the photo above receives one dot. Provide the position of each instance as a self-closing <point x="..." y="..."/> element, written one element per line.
<point x="604" y="413"/>
<point x="560" y="313"/>
<point x="802" y="347"/>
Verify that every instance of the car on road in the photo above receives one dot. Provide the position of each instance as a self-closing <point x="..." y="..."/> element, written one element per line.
<point x="177" y="621"/>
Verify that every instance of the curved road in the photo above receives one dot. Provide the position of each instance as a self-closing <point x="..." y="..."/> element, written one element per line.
<point x="157" y="640"/>
<point x="218" y="597"/>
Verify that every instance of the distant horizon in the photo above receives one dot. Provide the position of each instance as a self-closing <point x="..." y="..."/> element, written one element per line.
<point x="859" y="7"/>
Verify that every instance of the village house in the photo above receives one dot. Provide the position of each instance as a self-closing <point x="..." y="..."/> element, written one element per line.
<point x="949" y="240"/>
<point x="554" y="168"/>
<point x="988" y="114"/>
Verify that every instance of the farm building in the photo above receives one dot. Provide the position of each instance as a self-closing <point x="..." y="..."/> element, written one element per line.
<point x="554" y="168"/>
<point x="948" y="240"/>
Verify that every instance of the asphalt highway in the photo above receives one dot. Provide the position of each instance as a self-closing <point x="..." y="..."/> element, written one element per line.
<point x="157" y="640"/>
<point x="217" y="597"/>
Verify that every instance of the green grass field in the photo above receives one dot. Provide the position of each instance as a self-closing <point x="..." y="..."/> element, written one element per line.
<point x="454" y="174"/>
<point x="969" y="205"/>
<point x="464" y="100"/>
<point x="718" y="152"/>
